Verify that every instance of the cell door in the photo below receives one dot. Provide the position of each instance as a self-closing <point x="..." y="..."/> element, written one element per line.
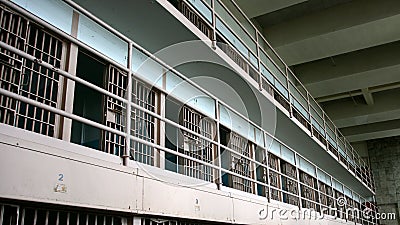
<point x="13" y="32"/>
<point x="28" y="78"/>
<point x="241" y="165"/>
<point x="143" y="124"/>
<point x="116" y="83"/>
<point x="195" y="146"/>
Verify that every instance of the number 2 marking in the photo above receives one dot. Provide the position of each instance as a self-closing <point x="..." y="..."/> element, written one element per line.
<point x="60" y="177"/>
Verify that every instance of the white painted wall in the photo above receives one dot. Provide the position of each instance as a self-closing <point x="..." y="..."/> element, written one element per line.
<point x="31" y="164"/>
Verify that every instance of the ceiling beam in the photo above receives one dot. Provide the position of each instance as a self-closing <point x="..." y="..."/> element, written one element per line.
<point x="348" y="112"/>
<point x="367" y="96"/>
<point x="372" y="131"/>
<point x="256" y="8"/>
<point x="352" y="94"/>
<point x="340" y="29"/>
<point x="351" y="72"/>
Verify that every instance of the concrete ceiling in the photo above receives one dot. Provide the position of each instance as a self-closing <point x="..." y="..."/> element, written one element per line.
<point x="346" y="52"/>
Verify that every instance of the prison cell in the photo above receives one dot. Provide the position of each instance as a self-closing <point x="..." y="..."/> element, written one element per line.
<point x="274" y="180"/>
<point x="301" y="118"/>
<point x="195" y="146"/>
<point x="28" y="78"/>
<point x="289" y="184"/>
<point x="350" y="205"/>
<point x="116" y="82"/>
<point x="13" y="32"/>
<point x="233" y="54"/>
<point x="160" y="221"/>
<point x="288" y="169"/>
<point x="333" y="149"/>
<point x="267" y="86"/>
<point x="307" y="190"/>
<point x="326" y="196"/>
<point x="262" y="176"/>
<point x="282" y="100"/>
<point x="143" y="125"/>
<point x="341" y="209"/>
<point x="195" y="19"/>
<point x="27" y="215"/>
<point x="240" y="164"/>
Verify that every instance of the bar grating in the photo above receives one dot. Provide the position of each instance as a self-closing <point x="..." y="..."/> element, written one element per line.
<point x="116" y="84"/>
<point x="240" y="164"/>
<point x="195" y="146"/>
<point x="144" y="124"/>
<point x="28" y="78"/>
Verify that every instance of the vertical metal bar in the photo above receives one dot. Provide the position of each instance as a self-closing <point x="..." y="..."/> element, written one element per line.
<point x="280" y="177"/>
<point x="35" y="217"/>
<point x="125" y="157"/>
<point x="68" y="218"/>
<point x="137" y="220"/>
<point x="57" y="219"/>
<point x="2" y="215"/>
<point x="162" y="127"/>
<point x="217" y="116"/>
<point x="298" y="178"/>
<point x="267" y="165"/>
<point x="259" y="62"/>
<point x="47" y="218"/>
<point x="253" y="165"/>
<point x="318" y="190"/>
<point x="214" y="29"/>
<point x="69" y="85"/>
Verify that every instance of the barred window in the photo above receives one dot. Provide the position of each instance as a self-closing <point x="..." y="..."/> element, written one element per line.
<point x="28" y="78"/>
<point x="195" y="146"/>
<point x="143" y="125"/>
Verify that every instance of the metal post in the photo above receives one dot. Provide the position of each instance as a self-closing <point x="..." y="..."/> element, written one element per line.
<point x="162" y="128"/>
<point x="267" y="165"/>
<point x="214" y="30"/>
<point x="218" y="181"/>
<point x="69" y="85"/>
<point x="126" y="155"/>
<point x="298" y="179"/>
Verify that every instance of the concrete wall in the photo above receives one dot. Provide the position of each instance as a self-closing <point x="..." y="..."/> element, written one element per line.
<point x="385" y="163"/>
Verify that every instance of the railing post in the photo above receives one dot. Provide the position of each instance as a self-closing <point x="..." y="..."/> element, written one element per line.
<point x="218" y="180"/>
<point x="289" y="93"/>
<point x="259" y="64"/>
<point x="309" y="112"/>
<point x="125" y="157"/>
<point x="267" y="166"/>
<point x="214" y="22"/>
<point x="298" y="179"/>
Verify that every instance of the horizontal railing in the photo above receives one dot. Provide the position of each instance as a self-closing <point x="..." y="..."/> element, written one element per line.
<point x="255" y="136"/>
<point x="257" y="56"/>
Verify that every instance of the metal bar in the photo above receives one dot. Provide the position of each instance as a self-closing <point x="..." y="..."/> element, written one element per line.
<point x="58" y="111"/>
<point x="126" y="154"/>
<point x="59" y="32"/>
<point x="61" y="72"/>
